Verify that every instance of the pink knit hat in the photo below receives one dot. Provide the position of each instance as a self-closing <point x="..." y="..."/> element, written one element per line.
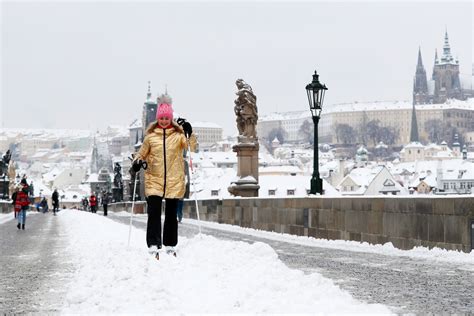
<point x="164" y="110"/>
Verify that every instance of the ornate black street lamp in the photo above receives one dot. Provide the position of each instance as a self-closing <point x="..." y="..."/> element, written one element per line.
<point x="315" y="91"/>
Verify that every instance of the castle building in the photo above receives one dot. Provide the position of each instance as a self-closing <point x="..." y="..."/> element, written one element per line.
<point x="397" y="115"/>
<point x="445" y="81"/>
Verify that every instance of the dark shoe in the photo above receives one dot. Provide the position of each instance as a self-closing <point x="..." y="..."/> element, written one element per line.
<point x="18" y="226"/>
<point x="23" y="226"/>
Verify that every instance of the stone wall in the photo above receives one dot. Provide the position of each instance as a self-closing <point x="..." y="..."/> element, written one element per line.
<point x="6" y="206"/>
<point x="443" y="222"/>
<point x="139" y="207"/>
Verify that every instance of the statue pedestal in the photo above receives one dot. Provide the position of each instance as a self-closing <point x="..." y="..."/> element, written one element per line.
<point x="4" y="188"/>
<point x="117" y="194"/>
<point x="247" y="173"/>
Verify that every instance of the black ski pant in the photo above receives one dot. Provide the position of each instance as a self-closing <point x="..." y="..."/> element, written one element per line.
<point x="105" y="209"/>
<point x="170" y="228"/>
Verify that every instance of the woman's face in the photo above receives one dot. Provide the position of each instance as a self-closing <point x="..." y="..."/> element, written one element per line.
<point x="164" y="122"/>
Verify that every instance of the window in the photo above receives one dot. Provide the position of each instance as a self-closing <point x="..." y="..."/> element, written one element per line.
<point x="290" y="192"/>
<point x="271" y="192"/>
<point x="389" y="182"/>
<point x="214" y="192"/>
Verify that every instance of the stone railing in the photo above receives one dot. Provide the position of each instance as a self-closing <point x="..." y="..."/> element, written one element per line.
<point x="444" y="222"/>
<point x="6" y="206"/>
<point x="139" y="207"/>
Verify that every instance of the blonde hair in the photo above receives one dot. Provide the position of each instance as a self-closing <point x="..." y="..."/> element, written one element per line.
<point x="151" y="127"/>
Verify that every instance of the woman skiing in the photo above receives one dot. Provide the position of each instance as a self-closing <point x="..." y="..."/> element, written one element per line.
<point x="162" y="149"/>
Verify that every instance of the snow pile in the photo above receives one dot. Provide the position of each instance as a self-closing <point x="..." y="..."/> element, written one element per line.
<point x="208" y="276"/>
<point x="435" y="254"/>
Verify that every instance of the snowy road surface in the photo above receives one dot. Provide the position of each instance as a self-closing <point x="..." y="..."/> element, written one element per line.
<point x="68" y="264"/>
<point x="34" y="268"/>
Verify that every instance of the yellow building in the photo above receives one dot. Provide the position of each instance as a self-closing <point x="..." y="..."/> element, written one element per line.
<point x="395" y="115"/>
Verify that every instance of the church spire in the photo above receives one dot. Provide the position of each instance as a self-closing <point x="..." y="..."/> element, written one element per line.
<point x="446" y="58"/>
<point x="419" y="65"/>
<point x="414" y="127"/>
<point x="420" y="84"/>
<point x="148" y="94"/>
<point x="436" y="56"/>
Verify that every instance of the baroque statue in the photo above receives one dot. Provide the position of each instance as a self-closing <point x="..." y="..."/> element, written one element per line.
<point x="117" y="175"/>
<point x="246" y="111"/>
<point x="4" y="163"/>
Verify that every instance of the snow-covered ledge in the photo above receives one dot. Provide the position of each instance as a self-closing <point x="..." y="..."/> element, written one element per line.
<point x="434" y="221"/>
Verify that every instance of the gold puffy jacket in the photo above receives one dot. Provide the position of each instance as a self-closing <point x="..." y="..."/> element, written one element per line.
<point x="162" y="149"/>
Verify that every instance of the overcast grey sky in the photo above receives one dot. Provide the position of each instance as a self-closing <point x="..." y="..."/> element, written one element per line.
<point x="87" y="64"/>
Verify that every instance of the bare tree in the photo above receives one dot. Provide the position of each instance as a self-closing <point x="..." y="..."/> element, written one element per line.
<point x="345" y="134"/>
<point x="388" y="135"/>
<point x="373" y="130"/>
<point x="279" y="133"/>
<point x="307" y="130"/>
<point x="435" y="130"/>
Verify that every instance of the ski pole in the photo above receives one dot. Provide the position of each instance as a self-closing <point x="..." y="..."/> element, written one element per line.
<point x="194" y="186"/>
<point x="133" y="208"/>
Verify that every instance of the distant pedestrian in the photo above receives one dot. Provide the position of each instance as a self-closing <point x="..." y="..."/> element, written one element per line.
<point x="55" y="198"/>
<point x="85" y="204"/>
<point x="44" y="205"/>
<point x="93" y="203"/>
<point x="16" y="208"/>
<point x="22" y="202"/>
<point x="105" y="201"/>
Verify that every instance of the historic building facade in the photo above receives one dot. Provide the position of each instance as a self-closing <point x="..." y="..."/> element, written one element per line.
<point x="396" y="115"/>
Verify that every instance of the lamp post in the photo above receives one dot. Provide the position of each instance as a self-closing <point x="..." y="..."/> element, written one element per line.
<point x="315" y="91"/>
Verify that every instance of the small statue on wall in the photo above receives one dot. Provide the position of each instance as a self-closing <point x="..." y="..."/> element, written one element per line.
<point x="117" y="175"/>
<point x="11" y="176"/>
<point x="5" y="162"/>
<point x="246" y="110"/>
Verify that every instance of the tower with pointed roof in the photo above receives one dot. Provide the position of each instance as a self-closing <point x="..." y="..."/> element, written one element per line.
<point x="447" y="84"/>
<point x="414" y="137"/>
<point x="420" y="83"/>
<point x="149" y="109"/>
<point x="95" y="158"/>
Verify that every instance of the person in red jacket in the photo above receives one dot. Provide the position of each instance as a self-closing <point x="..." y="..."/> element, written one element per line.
<point x="93" y="203"/>
<point x="22" y="202"/>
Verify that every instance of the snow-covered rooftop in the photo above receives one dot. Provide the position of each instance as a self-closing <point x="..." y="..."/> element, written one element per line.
<point x="396" y="105"/>
<point x="200" y="124"/>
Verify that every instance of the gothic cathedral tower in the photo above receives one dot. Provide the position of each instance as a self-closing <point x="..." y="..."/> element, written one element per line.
<point x="445" y="83"/>
<point x="420" y="84"/>
<point x="446" y="76"/>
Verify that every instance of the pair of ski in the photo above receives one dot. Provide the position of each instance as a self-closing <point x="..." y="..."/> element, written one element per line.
<point x="170" y="252"/>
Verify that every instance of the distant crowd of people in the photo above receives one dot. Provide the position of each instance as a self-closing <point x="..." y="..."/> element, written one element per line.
<point x="90" y="204"/>
<point x="22" y="198"/>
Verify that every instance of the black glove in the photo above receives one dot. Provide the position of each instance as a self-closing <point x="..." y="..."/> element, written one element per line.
<point x="188" y="129"/>
<point x="138" y="164"/>
<point x="180" y="121"/>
